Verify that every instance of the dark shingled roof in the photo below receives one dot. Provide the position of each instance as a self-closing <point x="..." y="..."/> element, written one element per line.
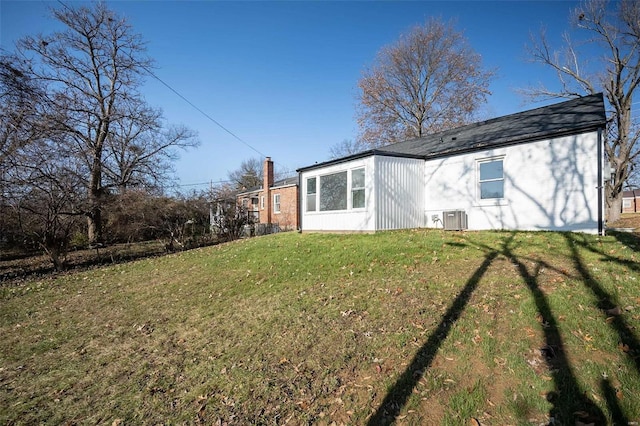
<point x="564" y="118"/>
<point x="570" y="117"/>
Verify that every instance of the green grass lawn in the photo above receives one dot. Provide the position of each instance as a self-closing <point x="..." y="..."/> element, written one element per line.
<point x="411" y="327"/>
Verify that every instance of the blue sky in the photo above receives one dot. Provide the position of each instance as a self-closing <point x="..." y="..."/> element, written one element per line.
<point x="283" y="76"/>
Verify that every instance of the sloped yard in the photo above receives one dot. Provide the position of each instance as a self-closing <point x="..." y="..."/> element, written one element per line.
<point x="416" y="327"/>
<point x="629" y="221"/>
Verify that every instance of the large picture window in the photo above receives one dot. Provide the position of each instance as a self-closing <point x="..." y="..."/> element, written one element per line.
<point x="311" y="194"/>
<point x="491" y="179"/>
<point x="357" y="189"/>
<point x="333" y="191"/>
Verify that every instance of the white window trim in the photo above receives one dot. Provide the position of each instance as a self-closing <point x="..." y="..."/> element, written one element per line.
<point x="363" y="188"/>
<point x="276" y="204"/>
<point x="262" y="202"/>
<point x="315" y="194"/>
<point x="491" y="201"/>
<point x="349" y="208"/>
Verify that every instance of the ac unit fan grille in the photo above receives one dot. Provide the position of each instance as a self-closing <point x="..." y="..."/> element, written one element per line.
<point x="454" y="220"/>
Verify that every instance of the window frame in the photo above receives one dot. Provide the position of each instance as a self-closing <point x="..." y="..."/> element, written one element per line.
<point x="341" y="200"/>
<point x="358" y="188"/>
<point x="314" y="194"/>
<point x="480" y="181"/>
<point x="276" y="203"/>
<point x="344" y="198"/>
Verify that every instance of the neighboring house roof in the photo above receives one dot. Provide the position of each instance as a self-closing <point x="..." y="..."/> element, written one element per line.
<point x="634" y="193"/>
<point x="570" y="117"/>
<point x="290" y="181"/>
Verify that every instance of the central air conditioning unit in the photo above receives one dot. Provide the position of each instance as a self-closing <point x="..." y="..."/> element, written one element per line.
<point x="454" y="220"/>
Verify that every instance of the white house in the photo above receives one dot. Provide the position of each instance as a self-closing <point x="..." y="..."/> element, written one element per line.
<point x="540" y="169"/>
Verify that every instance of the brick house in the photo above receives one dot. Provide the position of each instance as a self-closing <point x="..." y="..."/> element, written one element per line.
<point x="631" y="201"/>
<point x="274" y="204"/>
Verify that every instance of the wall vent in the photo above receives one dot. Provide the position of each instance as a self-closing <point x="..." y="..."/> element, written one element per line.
<point x="454" y="220"/>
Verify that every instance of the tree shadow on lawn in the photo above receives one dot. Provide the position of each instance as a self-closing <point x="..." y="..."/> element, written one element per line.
<point x="607" y="304"/>
<point x="567" y="400"/>
<point x="398" y="395"/>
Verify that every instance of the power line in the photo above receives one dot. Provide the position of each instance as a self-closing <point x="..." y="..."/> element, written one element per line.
<point x="209" y="117"/>
<point x="201" y="111"/>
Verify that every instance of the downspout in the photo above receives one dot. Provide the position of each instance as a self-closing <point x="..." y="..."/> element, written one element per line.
<point x="601" y="230"/>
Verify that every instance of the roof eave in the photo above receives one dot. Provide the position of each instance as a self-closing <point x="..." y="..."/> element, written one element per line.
<point x="364" y="154"/>
<point x="516" y="141"/>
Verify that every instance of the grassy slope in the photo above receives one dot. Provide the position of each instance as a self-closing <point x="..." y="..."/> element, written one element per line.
<point x="422" y="326"/>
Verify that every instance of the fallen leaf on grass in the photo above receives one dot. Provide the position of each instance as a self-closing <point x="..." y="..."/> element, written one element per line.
<point x="624" y="347"/>
<point x="474" y="422"/>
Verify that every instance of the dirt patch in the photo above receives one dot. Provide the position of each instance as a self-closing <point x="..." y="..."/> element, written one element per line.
<point x="630" y="221"/>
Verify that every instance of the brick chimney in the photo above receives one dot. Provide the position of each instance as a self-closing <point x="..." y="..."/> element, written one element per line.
<point x="267" y="183"/>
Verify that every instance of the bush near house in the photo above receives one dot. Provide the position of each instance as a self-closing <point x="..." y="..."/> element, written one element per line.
<point x="420" y="326"/>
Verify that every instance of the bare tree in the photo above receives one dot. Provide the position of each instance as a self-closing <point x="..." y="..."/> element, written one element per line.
<point x="42" y="189"/>
<point x="248" y="175"/>
<point x="430" y="80"/>
<point x="92" y="72"/>
<point x="140" y="149"/>
<point x="611" y="39"/>
<point x="347" y="147"/>
<point x="21" y="108"/>
<point x="228" y="218"/>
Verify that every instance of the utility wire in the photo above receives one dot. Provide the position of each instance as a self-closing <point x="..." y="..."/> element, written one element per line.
<point x="208" y="116"/>
<point x="201" y="111"/>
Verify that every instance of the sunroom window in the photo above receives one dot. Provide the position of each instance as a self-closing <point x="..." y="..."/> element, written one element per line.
<point x="333" y="191"/>
<point x="357" y="189"/>
<point x="311" y="194"/>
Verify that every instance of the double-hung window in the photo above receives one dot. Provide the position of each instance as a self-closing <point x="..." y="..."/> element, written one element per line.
<point x="311" y="194"/>
<point x="357" y="189"/>
<point x="491" y="179"/>
<point x="276" y="203"/>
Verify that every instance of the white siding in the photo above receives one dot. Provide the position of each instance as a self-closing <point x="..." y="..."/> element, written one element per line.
<point x="342" y="220"/>
<point x="548" y="185"/>
<point x="399" y="189"/>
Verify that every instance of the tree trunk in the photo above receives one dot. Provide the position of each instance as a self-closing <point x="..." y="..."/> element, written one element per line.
<point x="94" y="225"/>
<point x="94" y="215"/>
<point x="614" y="207"/>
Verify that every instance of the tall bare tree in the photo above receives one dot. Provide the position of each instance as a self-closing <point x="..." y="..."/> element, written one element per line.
<point x="92" y="72"/>
<point x="140" y="149"/>
<point x="248" y="175"/>
<point x="610" y="37"/>
<point x="428" y="81"/>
